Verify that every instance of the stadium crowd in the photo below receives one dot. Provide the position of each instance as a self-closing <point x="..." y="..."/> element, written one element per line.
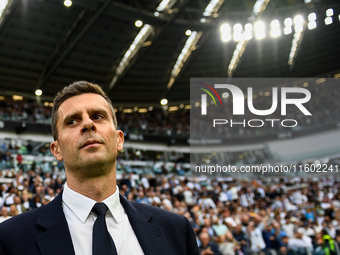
<point x="324" y="108"/>
<point x="230" y="217"/>
<point x="154" y="122"/>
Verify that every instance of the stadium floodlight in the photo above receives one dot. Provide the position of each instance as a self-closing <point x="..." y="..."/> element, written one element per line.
<point x="287" y="30"/>
<point x="259" y="26"/>
<point x="247" y="35"/>
<point x="312" y="16"/>
<point x="173" y="108"/>
<point x="275" y="28"/>
<point x="259" y="29"/>
<point x="311" y="25"/>
<point x="238" y="27"/>
<point x="226" y="37"/>
<point x="212" y="7"/>
<point x="225" y="28"/>
<point x="225" y="95"/>
<point x="131" y="52"/>
<point x="329" y="12"/>
<point x="260" y="34"/>
<point x="142" y="110"/>
<point x="312" y="21"/>
<point x="248" y="27"/>
<point x="225" y="32"/>
<point x="164" y="101"/>
<point x="67" y="3"/>
<point x="298" y="23"/>
<point x="17" y="98"/>
<point x="38" y="92"/>
<point x="298" y="28"/>
<point x="165" y="5"/>
<point x="188" y="47"/>
<point x="288" y="22"/>
<point x="237" y="36"/>
<point x="248" y="31"/>
<point x="275" y="32"/>
<point x="328" y="20"/>
<point x="275" y="24"/>
<point x="138" y="23"/>
<point x="298" y="20"/>
<point x="237" y="32"/>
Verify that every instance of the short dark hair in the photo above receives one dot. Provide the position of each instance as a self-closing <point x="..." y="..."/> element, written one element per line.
<point x="75" y="89"/>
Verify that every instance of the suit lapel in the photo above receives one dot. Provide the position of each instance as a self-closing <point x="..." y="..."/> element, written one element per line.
<point x="151" y="237"/>
<point x="56" y="239"/>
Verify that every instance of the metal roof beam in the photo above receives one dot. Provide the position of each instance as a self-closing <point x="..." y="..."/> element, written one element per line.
<point x="153" y="42"/>
<point x="45" y="75"/>
<point x="7" y="12"/>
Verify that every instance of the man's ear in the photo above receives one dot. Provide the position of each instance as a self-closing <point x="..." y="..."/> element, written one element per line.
<point x="55" y="150"/>
<point x="120" y="139"/>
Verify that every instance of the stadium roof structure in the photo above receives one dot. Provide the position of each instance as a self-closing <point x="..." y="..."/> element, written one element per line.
<point x="46" y="45"/>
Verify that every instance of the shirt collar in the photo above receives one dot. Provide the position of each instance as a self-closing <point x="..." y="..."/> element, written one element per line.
<point x="81" y="205"/>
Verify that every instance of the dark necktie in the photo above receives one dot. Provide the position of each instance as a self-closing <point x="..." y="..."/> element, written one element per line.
<point x="102" y="243"/>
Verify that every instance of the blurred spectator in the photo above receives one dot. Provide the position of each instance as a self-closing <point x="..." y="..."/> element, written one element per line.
<point x="207" y="247"/>
<point x="257" y="244"/>
<point x="19" y="161"/>
<point x="4" y="214"/>
<point x="239" y="217"/>
<point x="219" y="227"/>
<point x="328" y="243"/>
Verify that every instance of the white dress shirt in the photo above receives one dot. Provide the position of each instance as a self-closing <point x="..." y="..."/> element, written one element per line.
<point x="77" y="209"/>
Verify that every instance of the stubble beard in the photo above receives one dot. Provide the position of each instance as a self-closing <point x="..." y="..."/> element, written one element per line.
<point x="94" y="168"/>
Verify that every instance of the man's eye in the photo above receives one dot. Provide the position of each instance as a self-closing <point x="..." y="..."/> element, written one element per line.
<point x="71" y="122"/>
<point x="98" y="117"/>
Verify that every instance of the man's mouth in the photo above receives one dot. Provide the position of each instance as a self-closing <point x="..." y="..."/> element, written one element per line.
<point x="90" y="143"/>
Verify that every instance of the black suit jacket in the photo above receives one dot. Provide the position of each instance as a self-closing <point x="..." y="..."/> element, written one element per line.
<point x="45" y="231"/>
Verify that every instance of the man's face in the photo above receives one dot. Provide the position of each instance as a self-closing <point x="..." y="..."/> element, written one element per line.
<point x="16" y="200"/>
<point x="87" y="138"/>
<point x="238" y="229"/>
<point x="205" y="239"/>
<point x="4" y="211"/>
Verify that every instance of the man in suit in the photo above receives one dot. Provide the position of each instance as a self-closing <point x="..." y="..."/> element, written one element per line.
<point x="86" y="139"/>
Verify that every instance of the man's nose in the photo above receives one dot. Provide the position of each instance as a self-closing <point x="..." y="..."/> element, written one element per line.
<point x="88" y="125"/>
